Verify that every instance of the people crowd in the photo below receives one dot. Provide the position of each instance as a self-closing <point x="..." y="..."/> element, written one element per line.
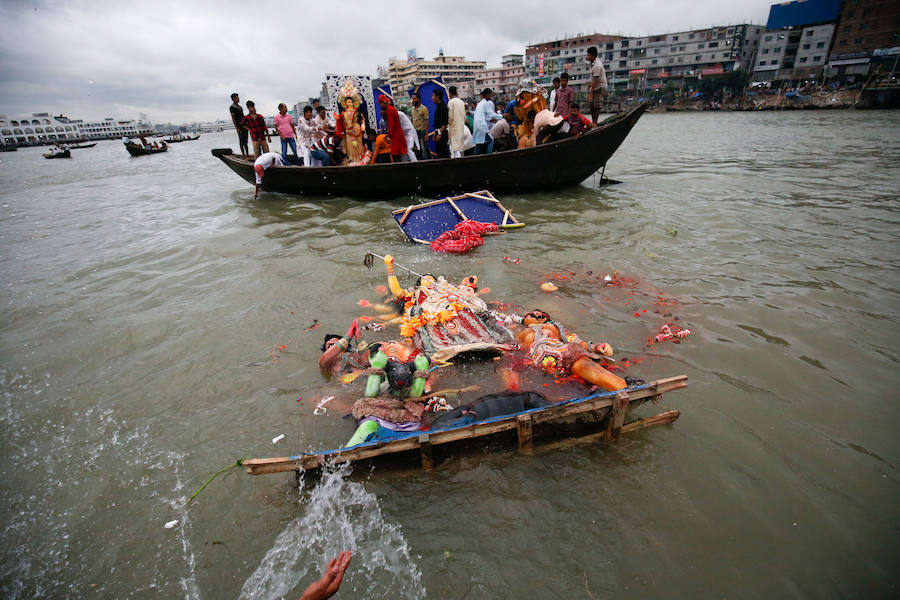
<point x="350" y="137"/>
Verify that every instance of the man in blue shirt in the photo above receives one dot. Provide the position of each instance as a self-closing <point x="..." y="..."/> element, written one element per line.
<point x="485" y="115"/>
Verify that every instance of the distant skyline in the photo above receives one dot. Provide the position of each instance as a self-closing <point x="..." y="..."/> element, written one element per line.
<point x="179" y="61"/>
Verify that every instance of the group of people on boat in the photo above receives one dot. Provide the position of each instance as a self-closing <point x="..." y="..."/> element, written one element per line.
<point x="347" y="138"/>
<point x="161" y="145"/>
<point x="438" y="321"/>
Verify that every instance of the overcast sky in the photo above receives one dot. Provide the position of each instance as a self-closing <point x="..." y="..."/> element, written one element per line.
<point x="179" y="61"/>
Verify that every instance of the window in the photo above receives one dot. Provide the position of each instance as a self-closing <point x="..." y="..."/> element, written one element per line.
<point x="765" y="50"/>
<point x="806" y="46"/>
<point x="843" y="43"/>
<point x="653" y="62"/>
<point x="623" y="44"/>
<point x="674" y="38"/>
<point x="714" y="44"/>
<point x="712" y="56"/>
<point x="700" y="45"/>
<point x="691" y="36"/>
<point x="623" y="53"/>
<point x="802" y="59"/>
<point x="847" y="28"/>
<point x="857" y="41"/>
<point x="697" y="57"/>
<point x="762" y="63"/>
<point x="777" y="50"/>
<point x="864" y="26"/>
<point x="768" y="38"/>
<point x="621" y="63"/>
<point x="817" y="59"/>
<point x="809" y="32"/>
<point x="656" y="51"/>
<point x="820" y="45"/>
<point x="639" y="42"/>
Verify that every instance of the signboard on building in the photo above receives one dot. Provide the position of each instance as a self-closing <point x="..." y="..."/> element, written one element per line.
<point x="411" y="55"/>
<point x="541" y="64"/>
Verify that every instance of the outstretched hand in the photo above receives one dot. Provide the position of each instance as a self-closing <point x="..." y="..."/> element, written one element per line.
<point x="331" y="579"/>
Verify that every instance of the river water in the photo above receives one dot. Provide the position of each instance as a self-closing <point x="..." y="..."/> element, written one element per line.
<point x="154" y="330"/>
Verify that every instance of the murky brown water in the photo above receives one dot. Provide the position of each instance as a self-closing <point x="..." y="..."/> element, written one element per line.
<point x="145" y="302"/>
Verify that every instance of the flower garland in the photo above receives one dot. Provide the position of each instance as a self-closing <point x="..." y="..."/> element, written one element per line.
<point x="410" y="325"/>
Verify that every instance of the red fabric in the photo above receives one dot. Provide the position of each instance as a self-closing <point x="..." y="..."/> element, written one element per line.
<point x="395" y="130"/>
<point x="463" y="237"/>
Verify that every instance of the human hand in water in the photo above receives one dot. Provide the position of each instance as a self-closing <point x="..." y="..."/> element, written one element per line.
<point x="331" y="578"/>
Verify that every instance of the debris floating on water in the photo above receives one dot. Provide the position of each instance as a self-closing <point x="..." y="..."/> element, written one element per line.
<point x="171" y="524"/>
<point x="548" y="287"/>
<point x="277" y="439"/>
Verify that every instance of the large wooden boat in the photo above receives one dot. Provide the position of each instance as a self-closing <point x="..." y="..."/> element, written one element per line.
<point x="548" y="166"/>
<point x="138" y="150"/>
<point x="595" y="416"/>
<point x="63" y="154"/>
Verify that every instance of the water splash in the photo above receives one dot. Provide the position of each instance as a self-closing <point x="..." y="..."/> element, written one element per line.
<point x="339" y="515"/>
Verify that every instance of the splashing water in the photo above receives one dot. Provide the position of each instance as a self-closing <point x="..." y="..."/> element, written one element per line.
<point x="339" y="515"/>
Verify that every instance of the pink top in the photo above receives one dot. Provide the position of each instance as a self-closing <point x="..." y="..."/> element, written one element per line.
<point x="284" y="124"/>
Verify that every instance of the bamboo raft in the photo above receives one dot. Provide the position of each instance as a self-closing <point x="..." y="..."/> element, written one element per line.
<point x="605" y="411"/>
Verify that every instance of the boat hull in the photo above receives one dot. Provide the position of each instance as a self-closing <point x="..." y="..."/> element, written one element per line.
<point x="549" y="166"/>
<point x="138" y="151"/>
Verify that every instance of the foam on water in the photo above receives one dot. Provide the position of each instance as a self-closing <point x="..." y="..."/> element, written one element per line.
<point x="338" y="514"/>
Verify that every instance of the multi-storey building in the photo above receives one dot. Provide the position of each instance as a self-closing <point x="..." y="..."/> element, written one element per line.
<point x="503" y="80"/>
<point x="546" y="60"/>
<point x="796" y="42"/>
<point x="44" y="127"/>
<point x="643" y="63"/>
<point x="456" y="70"/>
<point x="868" y="33"/>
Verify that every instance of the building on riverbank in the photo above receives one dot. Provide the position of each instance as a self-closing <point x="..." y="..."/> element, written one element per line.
<point x="797" y="41"/>
<point x="44" y="128"/>
<point x="503" y="80"/>
<point x="867" y="40"/>
<point x="641" y="64"/>
<point x="455" y="70"/>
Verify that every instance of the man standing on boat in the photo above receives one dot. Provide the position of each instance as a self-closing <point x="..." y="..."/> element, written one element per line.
<point x="484" y="116"/>
<point x="237" y="115"/>
<point x="564" y="97"/>
<point x="256" y="125"/>
<point x="419" y="114"/>
<point x="441" y="123"/>
<point x="597" y="89"/>
<point x="457" y="122"/>
<point x="395" y="131"/>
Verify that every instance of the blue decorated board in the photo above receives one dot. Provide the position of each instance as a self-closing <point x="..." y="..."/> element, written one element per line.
<point x="423" y="223"/>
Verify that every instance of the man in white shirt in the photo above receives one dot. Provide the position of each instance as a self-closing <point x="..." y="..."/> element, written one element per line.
<point x="457" y="125"/>
<point x="265" y="160"/>
<point x="552" y="104"/>
<point x="597" y="89"/>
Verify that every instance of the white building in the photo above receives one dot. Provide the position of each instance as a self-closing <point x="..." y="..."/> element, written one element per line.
<point x="793" y="53"/>
<point x="44" y="128"/>
<point x="456" y="70"/>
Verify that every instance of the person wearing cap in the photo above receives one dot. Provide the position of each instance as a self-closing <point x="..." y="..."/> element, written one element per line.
<point x="549" y="127"/>
<point x="484" y="116"/>
<point x="266" y="160"/>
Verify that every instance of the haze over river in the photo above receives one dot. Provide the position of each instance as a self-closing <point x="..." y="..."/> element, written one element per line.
<point x="154" y="331"/>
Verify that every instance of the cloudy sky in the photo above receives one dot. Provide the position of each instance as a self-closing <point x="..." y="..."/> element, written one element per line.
<point x="179" y="61"/>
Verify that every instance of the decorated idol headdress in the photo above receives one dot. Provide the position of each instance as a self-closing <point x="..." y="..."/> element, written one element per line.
<point x="349" y="92"/>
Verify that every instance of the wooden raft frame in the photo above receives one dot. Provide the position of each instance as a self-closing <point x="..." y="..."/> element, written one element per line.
<point x="508" y="222"/>
<point x="618" y="404"/>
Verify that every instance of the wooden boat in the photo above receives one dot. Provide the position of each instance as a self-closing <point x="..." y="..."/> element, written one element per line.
<point x="137" y="150"/>
<point x="63" y="154"/>
<point x="176" y="140"/>
<point x="596" y="416"/>
<point x="80" y="146"/>
<point x="548" y="166"/>
<point x="423" y="223"/>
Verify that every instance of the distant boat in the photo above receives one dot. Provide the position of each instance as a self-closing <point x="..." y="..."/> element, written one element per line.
<point x="138" y="150"/>
<point x="9" y="148"/>
<point x="80" y="146"/>
<point x="63" y="154"/>
<point x="175" y="140"/>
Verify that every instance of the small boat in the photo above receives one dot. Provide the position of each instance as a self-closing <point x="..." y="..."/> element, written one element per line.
<point x="549" y="166"/>
<point x="138" y="150"/>
<point x="63" y="154"/>
<point x="423" y="223"/>
<point x="80" y="146"/>
<point x="176" y="140"/>
<point x="9" y="148"/>
<point x="596" y="416"/>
